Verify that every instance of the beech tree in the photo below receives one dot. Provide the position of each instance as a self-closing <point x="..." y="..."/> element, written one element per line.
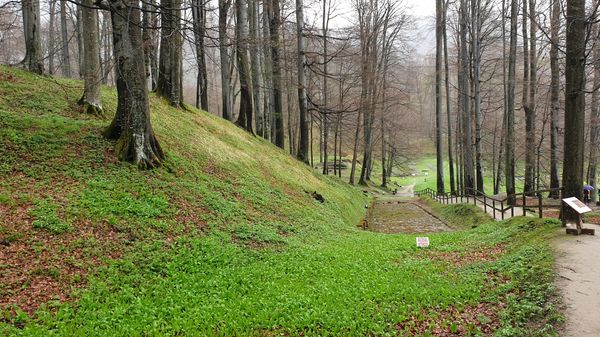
<point x="33" y="60"/>
<point x="572" y="177"/>
<point x="92" y="74"/>
<point x="131" y="127"/>
<point x="169" y="63"/>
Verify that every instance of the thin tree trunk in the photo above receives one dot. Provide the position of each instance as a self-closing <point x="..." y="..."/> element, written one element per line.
<point x="255" y="61"/>
<point x="90" y="101"/>
<point x="438" y="98"/>
<point x="169" y="72"/>
<point x="199" y="18"/>
<point x="51" y="36"/>
<point x="476" y="16"/>
<point x="448" y="105"/>
<point x="274" y="26"/>
<point x="245" y="117"/>
<point x="226" y="97"/>
<point x="66" y="61"/>
<point x="594" y="118"/>
<point x="302" y="154"/>
<point x="554" y="95"/>
<point x="469" y="181"/>
<point x="530" y="107"/>
<point x="510" y="110"/>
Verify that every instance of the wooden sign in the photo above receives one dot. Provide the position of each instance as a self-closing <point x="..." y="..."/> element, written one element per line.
<point x="577" y="205"/>
<point x="423" y="242"/>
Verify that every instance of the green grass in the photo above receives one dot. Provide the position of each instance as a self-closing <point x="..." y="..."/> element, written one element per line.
<point x="226" y="240"/>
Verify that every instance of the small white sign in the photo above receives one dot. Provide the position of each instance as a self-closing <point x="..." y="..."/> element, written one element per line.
<point x="423" y="242"/>
<point x="577" y="205"/>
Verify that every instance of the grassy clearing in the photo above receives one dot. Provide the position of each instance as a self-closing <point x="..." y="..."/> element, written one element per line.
<point x="226" y="241"/>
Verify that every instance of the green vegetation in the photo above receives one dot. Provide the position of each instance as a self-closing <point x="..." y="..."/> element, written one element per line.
<point x="461" y="216"/>
<point x="227" y="240"/>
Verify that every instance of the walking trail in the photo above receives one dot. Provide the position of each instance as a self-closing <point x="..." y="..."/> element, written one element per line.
<point x="578" y="270"/>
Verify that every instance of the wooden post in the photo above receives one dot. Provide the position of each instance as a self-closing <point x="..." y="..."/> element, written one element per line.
<point x="484" y="204"/>
<point x="524" y="204"/>
<point x="502" y="208"/>
<point x="540" y="204"/>
<point x="494" y="207"/>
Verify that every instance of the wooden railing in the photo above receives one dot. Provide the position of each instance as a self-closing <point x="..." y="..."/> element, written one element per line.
<point x="495" y="204"/>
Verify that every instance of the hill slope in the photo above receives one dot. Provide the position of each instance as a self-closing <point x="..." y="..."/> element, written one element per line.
<point x="225" y="240"/>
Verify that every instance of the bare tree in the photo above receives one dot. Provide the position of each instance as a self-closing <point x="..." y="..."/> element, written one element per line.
<point x="33" y="60"/>
<point x="554" y="95"/>
<point x="169" y="66"/>
<point x="226" y="97"/>
<point x="438" y="96"/>
<point x="302" y="154"/>
<point x="510" y="102"/>
<point x="245" y="117"/>
<point x="92" y="75"/>
<point x="572" y="178"/>
<point x="131" y="127"/>
<point x="199" y="23"/>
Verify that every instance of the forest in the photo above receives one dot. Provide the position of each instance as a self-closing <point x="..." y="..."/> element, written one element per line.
<point x="262" y="167"/>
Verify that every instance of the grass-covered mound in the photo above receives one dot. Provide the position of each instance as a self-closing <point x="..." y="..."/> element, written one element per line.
<point x="225" y="240"/>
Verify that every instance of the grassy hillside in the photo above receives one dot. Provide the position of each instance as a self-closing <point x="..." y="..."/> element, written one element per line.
<point x="225" y="240"/>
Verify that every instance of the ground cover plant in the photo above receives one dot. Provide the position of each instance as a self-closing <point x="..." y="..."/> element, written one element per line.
<point x="227" y="240"/>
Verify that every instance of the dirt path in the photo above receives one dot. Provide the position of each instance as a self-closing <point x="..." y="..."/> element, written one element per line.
<point x="402" y="215"/>
<point x="578" y="269"/>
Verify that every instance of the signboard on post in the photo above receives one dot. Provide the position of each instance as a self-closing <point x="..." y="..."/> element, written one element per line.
<point x="577" y="205"/>
<point x="581" y="208"/>
<point x="422" y="242"/>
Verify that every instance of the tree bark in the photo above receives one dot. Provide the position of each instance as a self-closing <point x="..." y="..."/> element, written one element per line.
<point x="554" y="95"/>
<point x="150" y="28"/>
<point x="594" y="117"/>
<point x="448" y="105"/>
<point x="245" y="117"/>
<point x="66" y="60"/>
<point x="255" y="64"/>
<point x="510" y="102"/>
<point x="131" y="127"/>
<point x="274" y="26"/>
<point x="51" y="37"/>
<point x="226" y="97"/>
<point x="438" y="97"/>
<point x="199" y="22"/>
<point x="92" y="75"/>
<point x="469" y="181"/>
<point x="169" y="67"/>
<point x="33" y="60"/>
<point x="302" y="154"/>
<point x="572" y="178"/>
<point x="476" y="36"/>
<point x="530" y="144"/>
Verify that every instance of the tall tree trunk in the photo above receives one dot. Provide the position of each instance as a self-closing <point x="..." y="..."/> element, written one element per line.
<point x="255" y="63"/>
<point x="302" y="154"/>
<point x="150" y="28"/>
<point x="438" y="97"/>
<point x="169" y="67"/>
<point x="476" y="36"/>
<point x="131" y="125"/>
<point x="324" y="118"/>
<point x="51" y="36"/>
<point x="510" y="102"/>
<point x="530" y="107"/>
<point x="448" y="105"/>
<point x="594" y="117"/>
<point x="79" y="35"/>
<point x="241" y="32"/>
<point x="226" y="94"/>
<point x="554" y="95"/>
<point x="66" y="61"/>
<point x="267" y="68"/>
<point x="199" y="17"/>
<point x="572" y="178"/>
<point x="33" y="60"/>
<point x="90" y="101"/>
<point x="274" y="26"/>
<point x="469" y="181"/>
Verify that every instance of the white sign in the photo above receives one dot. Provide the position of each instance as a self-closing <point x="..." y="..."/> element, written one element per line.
<point x="577" y="205"/>
<point x="423" y="242"/>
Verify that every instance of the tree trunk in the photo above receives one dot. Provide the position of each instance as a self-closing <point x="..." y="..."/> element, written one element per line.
<point x="241" y="31"/>
<point x="226" y="97"/>
<point x="169" y="67"/>
<point x="572" y="178"/>
<point x="476" y="36"/>
<point x="448" y="106"/>
<point x="324" y="118"/>
<point x="302" y="154"/>
<point x="510" y="102"/>
<point x="131" y="125"/>
<point x="594" y="118"/>
<point x="199" y="18"/>
<point x="274" y="26"/>
<point x="33" y="60"/>
<point x="90" y="101"/>
<point x="150" y="28"/>
<point x="469" y="181"/>
<point x="66" y="61"/>
<point x="255" y="64"/>
<point x="530" y="143"/>
<point x="554" y="95"/>
<point x="51" y="36"/>
<point x="438" y="98"/>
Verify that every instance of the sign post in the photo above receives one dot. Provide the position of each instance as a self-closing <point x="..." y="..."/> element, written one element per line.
<point x="581" y="208"/>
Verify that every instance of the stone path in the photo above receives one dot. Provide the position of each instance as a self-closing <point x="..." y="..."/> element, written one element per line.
<point x="398" y="215"/>
<point x="578" y="268"/>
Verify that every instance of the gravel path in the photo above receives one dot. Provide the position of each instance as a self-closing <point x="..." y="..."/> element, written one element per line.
<point x="578" y="269"/>
<point x="395" y="215"/>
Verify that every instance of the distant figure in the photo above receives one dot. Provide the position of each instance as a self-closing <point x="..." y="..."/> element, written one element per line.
<point x="395" y="191"/>
<point x="586" y="196"/>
